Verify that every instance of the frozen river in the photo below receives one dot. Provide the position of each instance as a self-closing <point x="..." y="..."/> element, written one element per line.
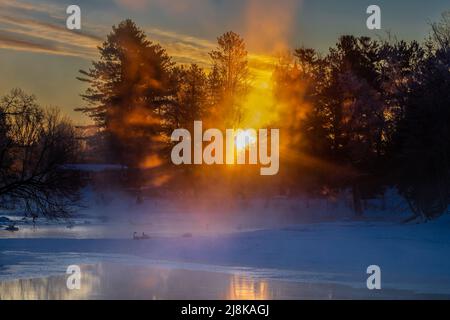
<point x="197" y="260"/>
<point x="118" y="281"/>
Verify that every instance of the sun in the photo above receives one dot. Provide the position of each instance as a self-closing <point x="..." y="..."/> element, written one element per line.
<point x="244" y="138"/>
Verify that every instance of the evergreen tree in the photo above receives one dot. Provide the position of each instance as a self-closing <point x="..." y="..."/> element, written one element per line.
<point x="129" y="86"/>
<point x="191" y="96"/>
<point x="230" y="71"/>
<point x="423" y="137"/>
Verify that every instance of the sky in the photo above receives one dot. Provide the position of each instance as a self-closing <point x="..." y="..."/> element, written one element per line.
<point x="40" y="55"/>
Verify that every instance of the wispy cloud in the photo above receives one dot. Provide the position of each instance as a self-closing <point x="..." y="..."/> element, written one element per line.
<point x="39" y="35"/>
<point x="184" y="48"/>
<point x="49" y="35"/>
<point x="44" y="33"/>
<point x="40" y="28"/>
<point x="8" y="42"/>
<point x="42" y="7"/>
<point x="190" y="49"/>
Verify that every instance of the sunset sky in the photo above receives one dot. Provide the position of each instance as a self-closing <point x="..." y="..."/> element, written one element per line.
<point x="38" y="53"/>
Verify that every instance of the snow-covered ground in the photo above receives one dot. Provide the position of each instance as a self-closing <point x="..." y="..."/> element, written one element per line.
<point x="412" y="257"/>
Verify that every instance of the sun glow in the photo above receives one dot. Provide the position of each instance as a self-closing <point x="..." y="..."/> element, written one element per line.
<point x="244" y="138"/>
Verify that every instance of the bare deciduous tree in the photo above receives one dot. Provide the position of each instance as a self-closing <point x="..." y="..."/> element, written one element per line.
<point x="34" y="146"/>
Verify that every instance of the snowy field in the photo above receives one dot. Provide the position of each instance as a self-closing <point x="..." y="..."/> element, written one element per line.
<point x="303" y="252"/>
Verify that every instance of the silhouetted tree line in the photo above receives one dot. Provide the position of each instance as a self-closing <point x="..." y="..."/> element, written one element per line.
<point x="373" y="114"/>
<point x="367" y="115"/>
<point x="137" y="94"/>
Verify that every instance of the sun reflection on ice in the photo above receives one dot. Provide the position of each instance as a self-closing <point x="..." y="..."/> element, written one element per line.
<point x="241" y="288"/>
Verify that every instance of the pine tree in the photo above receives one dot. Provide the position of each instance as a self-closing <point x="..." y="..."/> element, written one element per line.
<point x="129" y="86"/>
<point x="191" y="97"/>
<point x="423" y="138"/>
<point x="230" y="70"/>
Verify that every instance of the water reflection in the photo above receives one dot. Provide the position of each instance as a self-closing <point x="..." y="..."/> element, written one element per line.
<point x="50" y="288"/>
<point x="242" y="288"/>
<point x="119" y="281"/>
